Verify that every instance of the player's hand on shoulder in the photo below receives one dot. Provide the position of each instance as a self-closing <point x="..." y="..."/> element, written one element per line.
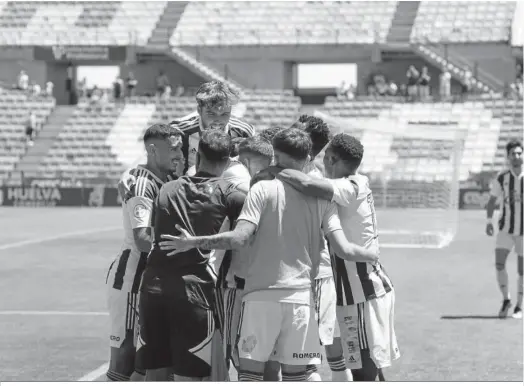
<point x="177" y="244"/>
<point x="490" y="229"/>
<point x="125" y="186"/>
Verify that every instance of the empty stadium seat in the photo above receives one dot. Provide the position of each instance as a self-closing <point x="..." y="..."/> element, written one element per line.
<point x="250" y="23"/>
<point x="79" y="23"/>
<point x="463" y="21"/>
<point x="14" y="110"/>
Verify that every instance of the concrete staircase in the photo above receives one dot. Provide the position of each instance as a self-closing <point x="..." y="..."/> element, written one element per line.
<point x="28" y="164"/>
<point x="166" y="25"/>
<point x="403" y="20"/>
<point x="458" y="67"/>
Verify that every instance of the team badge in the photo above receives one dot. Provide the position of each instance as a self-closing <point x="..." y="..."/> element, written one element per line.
<point x="249" y="344"/>
<point x="139" y="211"/>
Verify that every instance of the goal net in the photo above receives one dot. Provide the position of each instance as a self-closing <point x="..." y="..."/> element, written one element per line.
<point x="414" y="175"/>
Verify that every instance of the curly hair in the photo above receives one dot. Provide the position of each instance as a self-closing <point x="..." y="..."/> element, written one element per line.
<point x="269" y="133"/>
<point x="317" y="129"/>
<point x="348" y="149"/>
<point x="512" y="145"/>
<point x="216" y="94"/>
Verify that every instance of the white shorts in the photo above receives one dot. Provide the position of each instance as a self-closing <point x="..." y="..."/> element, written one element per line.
<point x="369" y="326"/>
<point x="123" y="313"/>
<point x="283" y="332"/>
<point x="507" y="242"/>
<point x="326" y="308"/>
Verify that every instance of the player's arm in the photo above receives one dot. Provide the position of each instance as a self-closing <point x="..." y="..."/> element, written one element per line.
<point x="140" y="209"/>
<point x="340" y="244"/>
<point x="127" y="180"/>
<point x="237" y="238"/>
<point x="494" y="194"/>
<point x="316" y="187"/>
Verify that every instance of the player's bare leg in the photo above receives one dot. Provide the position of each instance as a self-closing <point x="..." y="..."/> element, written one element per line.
<point x="517" y="313"/>
<point x="159" y="375"/>
<point x="501" y="256"/>
<point x="294" y="373"/>
<point x="312" y="374"/>
<point x="272" y="372"/>
<point x="250" y="370"/>
<point x="337" y="362"/>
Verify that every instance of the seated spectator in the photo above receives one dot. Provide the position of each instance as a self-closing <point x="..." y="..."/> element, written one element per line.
<point x="179" y="91"/>
<point x="23" y="81"/>
<point x="36" y="89"/>
<point x="351" y="92"/>
<point x="167" y="93"/>
<point x="161" y="83"/>
<point x="342" y="90"/>
<point x="393" y="88"/>
<point x="49" y="87"/>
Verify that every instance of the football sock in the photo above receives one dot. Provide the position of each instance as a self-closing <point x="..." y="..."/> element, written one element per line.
<point x="339" y="372"/>
<point x="249" y="376"/>
<point x="502" y="279"/>
<point x="293" y="377"/>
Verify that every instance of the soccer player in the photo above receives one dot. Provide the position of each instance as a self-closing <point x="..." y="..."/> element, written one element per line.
<point x="365" y="295"/>
<point x="329" y="332"/>
<point x="255" y="154"/>
<point x="508" y="189"/>
<point x="215" y="101"/>
<point x="164" y="152"/>
<point x="283" y="229"/>
<point x="177" y="300"/>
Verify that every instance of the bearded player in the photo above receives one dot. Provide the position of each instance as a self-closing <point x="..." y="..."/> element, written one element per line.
<point x="164" y="152"/>
<point x="508" y="189"/>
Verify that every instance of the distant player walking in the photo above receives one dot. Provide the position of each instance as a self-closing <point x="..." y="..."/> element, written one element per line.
<point x="508" y="189"/>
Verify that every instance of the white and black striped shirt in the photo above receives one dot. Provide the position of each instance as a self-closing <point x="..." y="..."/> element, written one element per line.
<point x="357" y="282"/>
<point x="508" y="187"/>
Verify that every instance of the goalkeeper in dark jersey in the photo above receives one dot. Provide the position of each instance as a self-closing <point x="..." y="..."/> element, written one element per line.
<point x="177" y="301"/>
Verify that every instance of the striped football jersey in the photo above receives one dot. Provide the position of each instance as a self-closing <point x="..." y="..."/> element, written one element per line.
<point x="191" y="125"/>
<point x="509" y="189"/>
<point x="357" y="282"/>
<point x="126" y="270"/>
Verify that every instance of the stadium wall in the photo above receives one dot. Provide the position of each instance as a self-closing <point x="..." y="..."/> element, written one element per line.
<point x="146" y="71"/>
<point x="103" y="196"/>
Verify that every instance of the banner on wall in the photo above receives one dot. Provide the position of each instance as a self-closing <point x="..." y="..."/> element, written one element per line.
<point x="61" y="53"/>
<point x="473" y="198"/>
<point x="55" y="196"/>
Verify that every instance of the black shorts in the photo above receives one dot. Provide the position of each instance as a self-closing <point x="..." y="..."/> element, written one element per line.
<point x="29" y="131"/>
<point x="176" y="318"/>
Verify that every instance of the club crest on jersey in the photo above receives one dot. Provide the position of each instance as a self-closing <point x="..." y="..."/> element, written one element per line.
<point x="139" y="211"/>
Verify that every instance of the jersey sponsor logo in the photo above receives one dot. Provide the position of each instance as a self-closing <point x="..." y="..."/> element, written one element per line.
<point x="351" y="347"/>
<point x="302" y="355"/>
<point x="114" y="338"/>
<point x="139" y="211"/>
<point x="249" y="343"/>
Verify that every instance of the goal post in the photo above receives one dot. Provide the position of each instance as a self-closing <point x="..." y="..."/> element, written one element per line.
<point x="414" y="176"/>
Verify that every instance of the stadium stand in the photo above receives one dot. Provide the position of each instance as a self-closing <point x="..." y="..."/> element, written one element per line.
<point x="82" y="149"/>
<point x="14" y="111"/>
<point x="80" y="23"/>
<point x="273" y="23"/>
<point x="463" y="21"/>
<point x="487" y="125"/>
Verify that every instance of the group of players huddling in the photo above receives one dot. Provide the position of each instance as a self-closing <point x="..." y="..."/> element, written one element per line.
<point x="238" y="250"/>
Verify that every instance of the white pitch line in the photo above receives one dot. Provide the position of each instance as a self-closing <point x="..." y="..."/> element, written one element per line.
<point x="95" y="374"/>
<point x="53" y="313"/>
<point x="58" y="237"/>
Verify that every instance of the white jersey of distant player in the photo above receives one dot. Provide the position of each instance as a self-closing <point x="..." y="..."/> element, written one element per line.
<point x="508" y="187"/>
<point x="136" y="213"/>
<point x="358" y="282"/>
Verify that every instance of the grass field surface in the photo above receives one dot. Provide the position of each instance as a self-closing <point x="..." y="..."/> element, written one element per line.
<point x="54" y="323"/>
